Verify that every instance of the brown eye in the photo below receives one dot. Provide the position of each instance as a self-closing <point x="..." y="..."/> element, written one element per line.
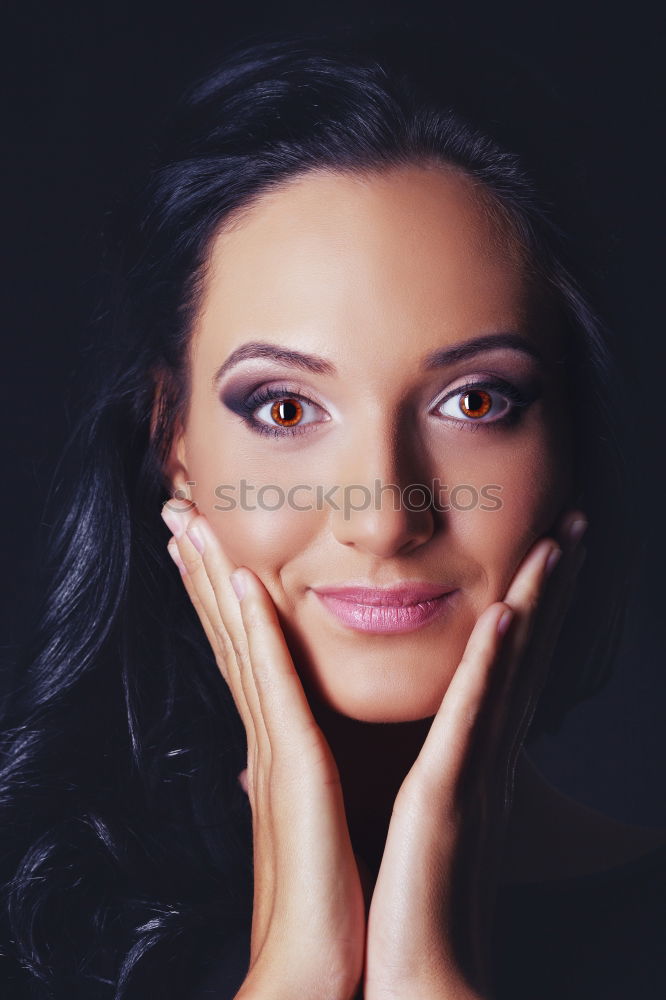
<point x="475" y="403"/>
<point x="286" y="412"/>
<point x="482" y="406"/>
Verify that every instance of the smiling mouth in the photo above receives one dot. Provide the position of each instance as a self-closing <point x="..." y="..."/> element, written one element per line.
<point x="401" y="595"/>
<point x="373" y="610"/>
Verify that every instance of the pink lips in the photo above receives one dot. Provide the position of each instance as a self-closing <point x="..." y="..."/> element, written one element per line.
<point x="399" y="609"/>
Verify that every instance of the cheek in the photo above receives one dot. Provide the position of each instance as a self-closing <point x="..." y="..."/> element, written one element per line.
<point x="255" y="517"/>
<point x="514" y="489"/>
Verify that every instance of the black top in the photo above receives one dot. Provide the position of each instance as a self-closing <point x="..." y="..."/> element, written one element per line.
<point x="593" y="937"/>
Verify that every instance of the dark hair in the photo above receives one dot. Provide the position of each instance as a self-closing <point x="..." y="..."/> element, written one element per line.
<point x="127" y="852"/>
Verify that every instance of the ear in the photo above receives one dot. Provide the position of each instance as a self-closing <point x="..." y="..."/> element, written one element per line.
<point x="175" y="468"/>
<point x="174" y="460"/>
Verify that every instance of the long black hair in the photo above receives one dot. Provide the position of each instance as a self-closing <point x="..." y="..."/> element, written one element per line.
<point x="126" y="839"/>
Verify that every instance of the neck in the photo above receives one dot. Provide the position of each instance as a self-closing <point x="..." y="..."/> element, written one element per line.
<point x="373" y="760"/>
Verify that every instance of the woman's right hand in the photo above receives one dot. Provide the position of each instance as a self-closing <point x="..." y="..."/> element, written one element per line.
<point x="308" y="919"/>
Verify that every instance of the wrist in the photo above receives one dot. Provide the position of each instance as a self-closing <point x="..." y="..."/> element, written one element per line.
<point x="447" y="992"/>
<point x="271" y="987"/>
<point x="435" y="989"/>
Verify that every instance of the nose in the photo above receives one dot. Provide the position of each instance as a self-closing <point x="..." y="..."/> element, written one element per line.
<point x="384" y="508"/>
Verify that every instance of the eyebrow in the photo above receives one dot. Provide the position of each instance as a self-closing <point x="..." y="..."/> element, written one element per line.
<point x="320" y="366"/>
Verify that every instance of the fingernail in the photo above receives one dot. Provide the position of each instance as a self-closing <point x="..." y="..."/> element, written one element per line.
<point x="242" y="779"/>
<point x="238" y="582"/>
<point x="174" y="520"/>
<point x="172" y="549"/>
<point x="552" y="560"/>
<point x="193" y="532"/>
<point x="577" y="530"/>
<point x="505" y="621"/>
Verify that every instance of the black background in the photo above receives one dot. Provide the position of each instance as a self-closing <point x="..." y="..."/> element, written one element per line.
<point x="83" y="82"/>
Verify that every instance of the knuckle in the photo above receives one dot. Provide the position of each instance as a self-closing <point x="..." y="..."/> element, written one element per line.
<point x="192" y="562"/>
<point x="223" y="638"/>
<point x="253" y="615"/>
<point x="238" y="651"/>
<point x="229" y="646"/>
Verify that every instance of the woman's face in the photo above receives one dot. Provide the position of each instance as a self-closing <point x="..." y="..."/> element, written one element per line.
<point x="371" y="281"/>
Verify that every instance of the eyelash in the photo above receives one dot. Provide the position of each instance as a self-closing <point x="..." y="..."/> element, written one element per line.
<point x="261" y="396"/>
<point x="510" y="392"/>
<point x="519" y="400"/>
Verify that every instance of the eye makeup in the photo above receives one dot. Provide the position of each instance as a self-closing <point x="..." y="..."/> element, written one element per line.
<point x="245" y="408"/>
<point x="244" y="401"/>
<point x="480" y="393"/>
<point x="484" y="388"/>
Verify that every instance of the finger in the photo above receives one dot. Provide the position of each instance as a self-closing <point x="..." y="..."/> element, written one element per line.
<point x="207" y="571"/>
<point x="289" y="726"/>
<point x="541" y="600"/>
<point x="211" y="633"/>
<point x="557" y="588"/>
<point x="202" y="594"/>
<point x="531" y="653"/>
<point x="258" y="749"/>
<point x="197" y="581"/>
<point x="542" y="643"/>
<point x="447" y="746"/>
<point x="451" y="747"/>
<point x="503" y="713"/>
<point x="526" y="587"/>
<point x="560" y="586"/>
<point x="523" y="596"/>
<point x="209" y="562"/>
<point x="286" y="710"/>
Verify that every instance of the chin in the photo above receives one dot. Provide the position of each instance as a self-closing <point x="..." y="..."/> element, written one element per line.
<point x="371" y="679"/>
<point x="379" y="700"/>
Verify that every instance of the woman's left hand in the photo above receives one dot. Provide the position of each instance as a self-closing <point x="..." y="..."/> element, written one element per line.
<point x="430" y="918"/>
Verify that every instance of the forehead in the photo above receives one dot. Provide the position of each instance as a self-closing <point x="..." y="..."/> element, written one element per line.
<point x="415" y="253"/>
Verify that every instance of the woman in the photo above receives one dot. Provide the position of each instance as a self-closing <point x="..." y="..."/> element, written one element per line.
<point x="349" y="355"/>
